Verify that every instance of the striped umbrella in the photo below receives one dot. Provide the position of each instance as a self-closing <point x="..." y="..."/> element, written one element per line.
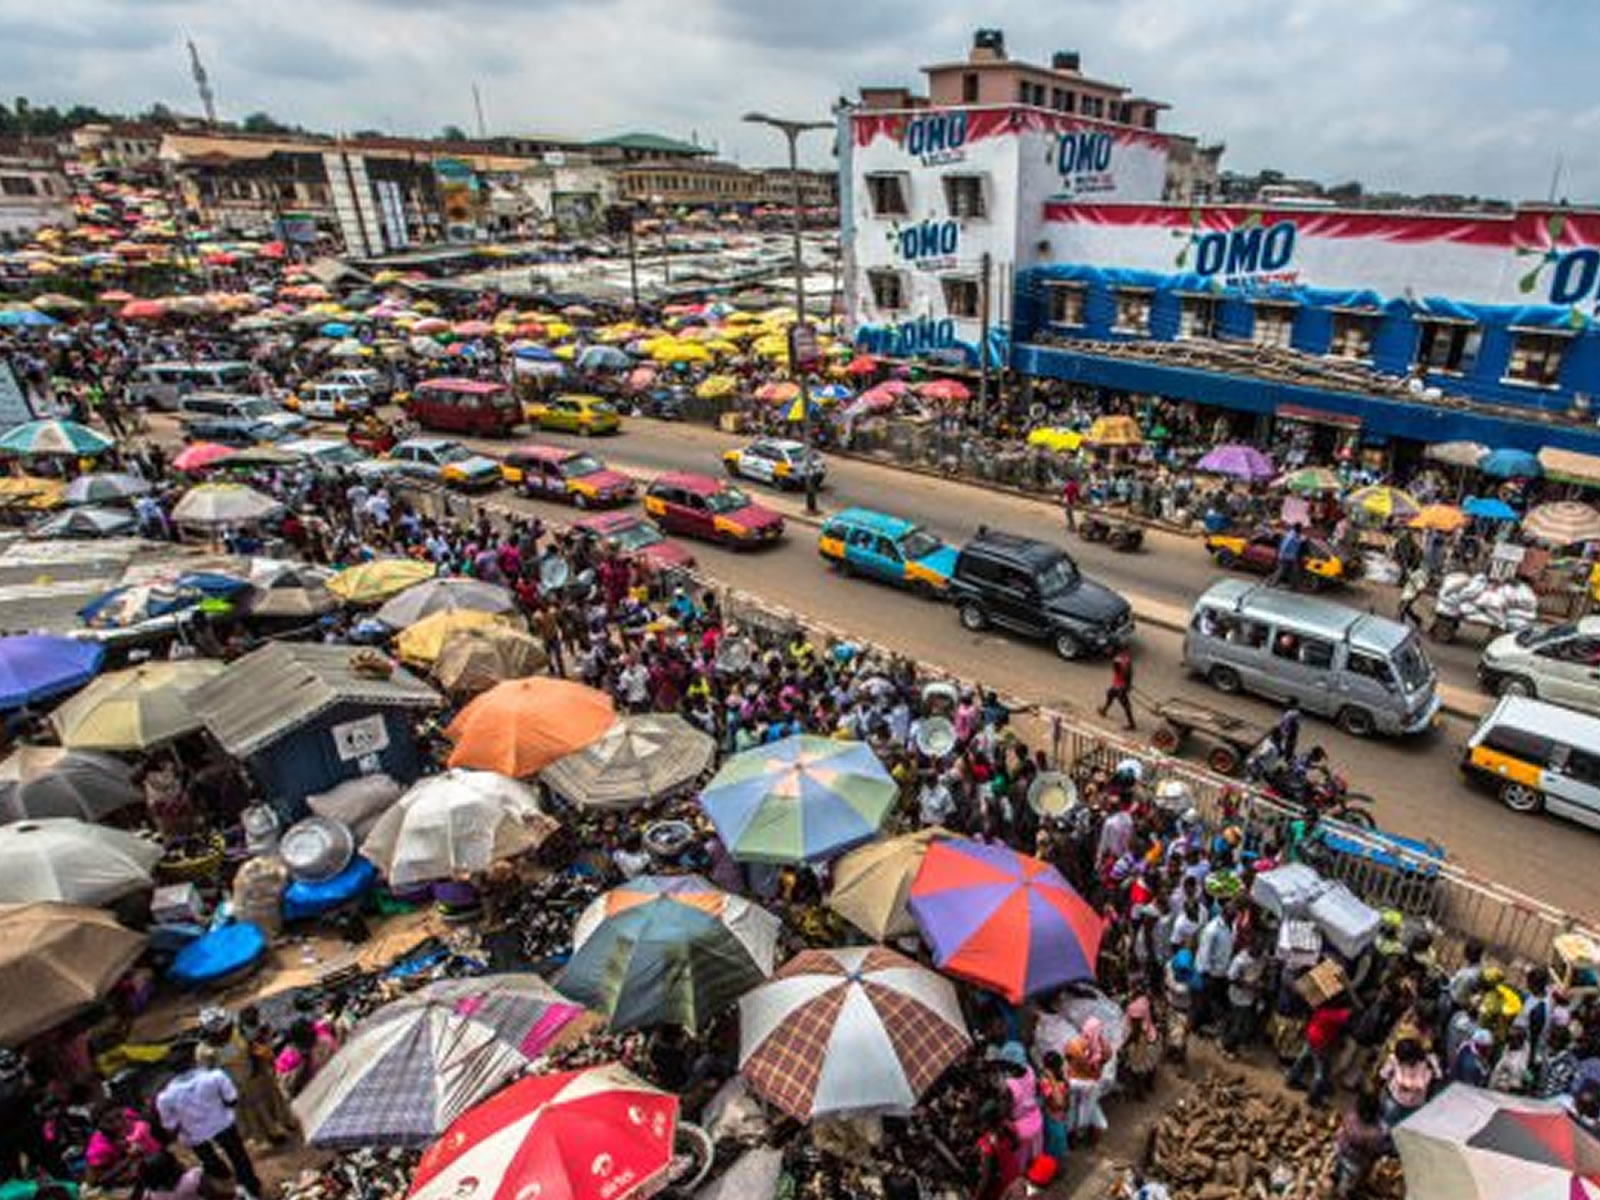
<point x="801" y="799"/>
<point x="64" y="439"/>
<point x="1383" y="502"/>
<point x="1562" y="523"/>
<point x="668" y="950"/>
<point x="636" y="760"/>
<point x="849" y="1031"/>
<point x="417" y="1064"/>
<point x="1003" y="920"/>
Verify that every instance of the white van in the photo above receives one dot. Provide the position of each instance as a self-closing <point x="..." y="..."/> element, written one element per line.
<point x="326" y="401"/>
<point x="1538" y="756"/>
<point x="163" y="384"/>
<point x="1560" y="664"/>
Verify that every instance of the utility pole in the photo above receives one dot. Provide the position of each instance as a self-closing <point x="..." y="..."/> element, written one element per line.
<point x="985" y="264"/>
<point x="633" y="262"/>
<point x="202" y="83"/>
<point x="477" y="105"/>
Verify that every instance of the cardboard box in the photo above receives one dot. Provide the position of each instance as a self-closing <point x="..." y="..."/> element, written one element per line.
<point x="177" y="904"/>
<point x="1322" y="983"/>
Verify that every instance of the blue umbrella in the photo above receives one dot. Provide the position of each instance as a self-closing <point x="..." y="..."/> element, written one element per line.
<point x="1489" y="508"/>
<point x="535" y="353"/>
<point x="24" y="318"/>
<point x="831" y="391"/>
<point x="1510" y="464"/>
<point x="335" y="329"/>
<point x="36" y="666"/>
<point x="603" y="358"/>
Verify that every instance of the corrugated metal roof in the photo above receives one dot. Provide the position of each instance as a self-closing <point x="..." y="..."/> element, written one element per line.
<point x="278" y="688"/>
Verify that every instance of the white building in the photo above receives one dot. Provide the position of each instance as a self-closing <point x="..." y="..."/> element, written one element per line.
<point x="34" y="191"/>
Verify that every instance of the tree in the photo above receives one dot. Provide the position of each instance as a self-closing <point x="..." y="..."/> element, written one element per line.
<point x="364" y="134"/>
<point x="452" y="133"/>
<point x="1350" y="190"/>
<point x="262" y="122"/>
<point x="159" y="114"/>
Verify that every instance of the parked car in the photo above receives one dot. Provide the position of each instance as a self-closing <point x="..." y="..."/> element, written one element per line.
<point x="632" y="534"/>
<point x="1035" y="588"/>
<point x="238" y="432"/>
<point x="777" y="461"/>
<point x="327" y="454"/>
<point x="572" y="476"/>
<point x="324" y="401"/>
<point x="199" y="405"/>
<point x="1538" y="756"/>
<point x="1560" y="664"/>
<point x="375" y="383"/>
<point x="1319" y="565"/>
<point x="444" y="461"/>
<point x="862" y="542"/>
<point x="703" y="507"/>
<point x="570" y="413"/>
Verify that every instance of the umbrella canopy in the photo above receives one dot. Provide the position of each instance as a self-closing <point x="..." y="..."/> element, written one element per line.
<point x="1510" y="464"/>
<point x="1383" y="503"/>
<point x="197" y="456"/>
<point x="64" y="439"/>
<point x="55" y="961"/>
<point x="40" y="782"/>
<point x="31" y="491"/>
<point x="801" y="799"/>
<point x="1115" y="431"/>
<point x="1457" y="454"/>
<point x="871" y="885"/>
<point x="1003" y="920"/>
<point x="1569" y="466"/>
<point x="422" y="642"/>
<point x="945" y="389"/>
<point x="135" y="709"/>
<point x="453" y="824"/>
<point x="294" y="593"/>
<point x="595" y="1134"/>
<point x="668" y="950"/>
<point x="631" y="763"/>
<point x="603" y="358"/>
<point x="523" y="725"/>
<point x="1488" y="508"/>
<point x="1469" y="1143"/>
<point x="417" y="1064"/>
<point x="1307" y="480"/>
<point x="1562" y="523"/>
<point x="849" y="1031"/>
<point x="442" y="596"/>
<point x="106" y="487"/>
<point x="60" y="859"/>
<point x="1238" y="462"/>
<point x="777" y="392"/>
<point x="473" y="660"/>
<point x="218" y="504"/>
<point x="136" y="602"/>
<point x="1446" y="518"/>
<point x="91" y="521"/>
<point x="35" y="666"/>
<point x="374" y="582"/>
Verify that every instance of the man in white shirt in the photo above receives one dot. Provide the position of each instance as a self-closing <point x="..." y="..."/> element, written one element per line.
<point x="1211" y="960"/>
<point x="199" y="1107"/>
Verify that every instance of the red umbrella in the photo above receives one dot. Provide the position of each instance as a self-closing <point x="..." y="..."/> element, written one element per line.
<point x="777" y="392"/>
<point x="200" y="455"/>
<point x="946" y="389"/>
<point x="115" y="296"/>
<point x="862" y="364"/>
<point x="597" y="1134"/>
<point x="142" y="310"/>
<point x="272" y="250"/>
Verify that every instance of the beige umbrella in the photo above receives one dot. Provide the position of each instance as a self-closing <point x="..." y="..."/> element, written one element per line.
<point x="220" y="504"/>
<point x="473" y="660"/>
<point x="1562" y="523"/>
<point x="60" y="859"/>
<point x="135" y="709"/>
<point x="454" y="824"/>
<point x="1569" y="466"/>
<point x="871" y="884"/>
<point x="294" y="592"/>
<point x="635" y="760"/>
<point x="55" y="961"/>
<point x="52" y="781"/>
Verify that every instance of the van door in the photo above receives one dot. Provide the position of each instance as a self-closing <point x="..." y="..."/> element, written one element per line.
<point x="1302" y="670"/>
<point x="1572" y="785"/>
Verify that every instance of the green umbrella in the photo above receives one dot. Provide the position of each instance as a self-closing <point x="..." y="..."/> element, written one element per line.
<point x="1310" y="479"/>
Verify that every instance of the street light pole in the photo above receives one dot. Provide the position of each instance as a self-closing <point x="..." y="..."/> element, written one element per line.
<point x="791" y="131"/>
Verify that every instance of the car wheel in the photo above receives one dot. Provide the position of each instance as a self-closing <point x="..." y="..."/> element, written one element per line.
<point x="1227" y="559"/>
<point x="1068" y="646"/>
<point x="925" y="590"/>
<point x="1357" y="722"/>
<point x="1519" y="797"/>
<point x="973" y="617"/>
<point x="1518" y="685"/>
<point x="580" y="501"/>
<point x="1225" y="680"/>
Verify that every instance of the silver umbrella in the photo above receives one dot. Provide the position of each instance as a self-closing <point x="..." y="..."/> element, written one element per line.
<point x="444" y="595"/>
<point x="634" y="761"/>
<point x="51" y="781"/>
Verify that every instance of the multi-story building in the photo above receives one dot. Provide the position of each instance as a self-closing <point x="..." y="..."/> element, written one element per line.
<point x="34" y="190"/>
<point x="645" y="148"/>
<point x="688" y="183"/>
<point x="818" y="189"/>
<point x="122" y="146"/>
<point x="943" y="200"/>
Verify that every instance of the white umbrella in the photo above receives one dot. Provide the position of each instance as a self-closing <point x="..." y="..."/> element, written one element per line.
<point x="1457" y="454"/>
<point x="72" y="862"/>
<point x="453" y="824"/>
<point x="444" y="595"/>
<point x="224" y="504"/>
<point x="105" y="487"/>
<point x="49" y="781"/>
<point x="635" y="760"/>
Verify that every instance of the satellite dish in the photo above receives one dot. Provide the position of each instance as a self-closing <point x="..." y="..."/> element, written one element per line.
<point x="734" y="655"/>
<point x="935" y="737"/>
<point x="1052" y="794"/>
<point x="940" y="693"/>
<point x="554" y="573"/>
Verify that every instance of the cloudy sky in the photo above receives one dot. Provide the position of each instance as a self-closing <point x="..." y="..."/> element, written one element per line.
<point x="1460" y="95"/>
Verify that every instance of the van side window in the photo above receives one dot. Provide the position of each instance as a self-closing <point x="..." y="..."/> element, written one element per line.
<point x="1286" y="645"/>
<point x="1315" y="652"/>
<point x="1584" y="767"/>
<point x="1370" y="666"/>
<point x="860" y="539"/>
<point x="1248" y="633"/>
<point x="1518" y="743"/>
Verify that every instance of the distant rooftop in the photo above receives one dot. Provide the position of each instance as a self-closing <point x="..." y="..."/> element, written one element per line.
<point x="651" y="143"/>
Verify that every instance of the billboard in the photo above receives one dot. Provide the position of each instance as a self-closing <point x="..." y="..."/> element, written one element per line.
<point x="460" y="197"/>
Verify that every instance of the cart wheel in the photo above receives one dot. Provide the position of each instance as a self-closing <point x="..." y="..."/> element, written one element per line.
<point x="1167" y="738"/>
<point x="1443" y="630"/>
<point x="1224" y="760"/>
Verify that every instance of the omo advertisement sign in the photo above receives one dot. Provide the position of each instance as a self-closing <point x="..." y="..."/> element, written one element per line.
<point x="1533" y="258"/>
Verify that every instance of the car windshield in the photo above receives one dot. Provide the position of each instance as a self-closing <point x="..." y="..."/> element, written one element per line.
<point x="1532" y="639"/>
<point x="636" y="536"/>
<point x="256" y="408"/>
<point x="1060" y="576"/>
<point x="599" y="406"/>
<point x="1412" y="664"/>
<point x="918" y="544"/>
<point x="727" y="500"/>
<point x="343" y="455"/>
<point x="579" y="465"/>
<point x="452" y="452"/>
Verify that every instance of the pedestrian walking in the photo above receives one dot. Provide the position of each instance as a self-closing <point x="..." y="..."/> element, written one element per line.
<point x="1071" y="494"/>
<point x="1287" y="572"/>
<point x="1121" y="686"/>
<point x="199" y="1107"/>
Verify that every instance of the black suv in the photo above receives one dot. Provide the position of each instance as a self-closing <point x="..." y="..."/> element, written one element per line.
<point x="1035" y="588"/>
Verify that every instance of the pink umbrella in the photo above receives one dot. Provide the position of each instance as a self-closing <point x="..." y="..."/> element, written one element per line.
<point x="946" y="389"/>
<point x="777" y="393"/>
<point x="200" y="455"/>
<point x="472" y="329"/>
<point x="639" y="379"/>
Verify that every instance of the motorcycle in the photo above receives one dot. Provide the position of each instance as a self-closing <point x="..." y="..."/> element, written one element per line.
<point x="1318" y="792"/>
<point x="1122" y="536"/>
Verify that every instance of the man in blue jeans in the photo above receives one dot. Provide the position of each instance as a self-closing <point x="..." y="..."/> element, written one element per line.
<point x="1287" y="572"/>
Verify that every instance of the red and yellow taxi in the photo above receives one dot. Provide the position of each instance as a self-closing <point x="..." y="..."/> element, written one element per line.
<point x="713" y="509"/>
<point x="572" y="476"/>
<point x="632" y="534"/>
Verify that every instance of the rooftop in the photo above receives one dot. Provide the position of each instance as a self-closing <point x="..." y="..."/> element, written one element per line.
<point x="651" y="143"/>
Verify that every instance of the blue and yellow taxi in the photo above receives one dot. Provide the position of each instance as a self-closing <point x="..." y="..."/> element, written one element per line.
<point x="876" y="545"/>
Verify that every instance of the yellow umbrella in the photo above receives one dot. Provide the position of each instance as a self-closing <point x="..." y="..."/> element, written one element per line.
<point x="557" y="329"/>
<point x="714" y="387"/>
<point x="422" y="642"/>
<point x="1115" y="431"/>
<point x="1384" y="503"/>
<point x="871" y="885"/>
<point x="1446" y="518"/>
<point x="772" y="346"/>
<point x="30" y="491"/>
<point x="373" y="582"/>
<point x="568" y="352"/>
<point x="134" y="709"/>
<point x="1055" y="438"/>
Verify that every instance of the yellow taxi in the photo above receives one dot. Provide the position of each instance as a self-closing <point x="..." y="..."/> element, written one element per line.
<point x="578" y="414"/>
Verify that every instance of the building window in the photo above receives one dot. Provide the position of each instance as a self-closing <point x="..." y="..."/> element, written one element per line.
<point x="961" y="297"/>
<point x="17" y="185"/>
<point x="1066" y="303"/>
<point x="969" y="87"/>
<point x="888" y="289"/>
<point x="1352" y="334"/>
<point x="1058" y="99"/>
<point x="1536" y="357"/>
<point x="1072" y="102"/>
<point x="1133" y="311"/>
<point x="1197" y="317"/>
<point x="1274" y="325"/>
<point x="1449" y="347"/>
<point x="888" y="192"/>
<point x="963" y="195"/>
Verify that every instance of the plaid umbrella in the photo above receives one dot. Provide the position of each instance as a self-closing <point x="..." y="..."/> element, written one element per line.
<point x="417" y="1064"/>
<point x="635" y="760"/>
<point x="668" y="950"/>
<point x="849" y="1031"/>
<point x="799" y="800"/>
<point x="63" y="439"/>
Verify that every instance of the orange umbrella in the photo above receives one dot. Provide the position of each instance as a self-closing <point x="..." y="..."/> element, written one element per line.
<point x="523" y="725"/>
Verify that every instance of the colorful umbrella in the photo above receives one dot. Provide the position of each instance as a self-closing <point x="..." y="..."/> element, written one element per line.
<point x="1003" y="920"/>
<point x="948" y="390"/>
<point x="66" y="439"/>
<point x="801" y="799"/>
<point x="417" y="1064"/>
<point x="1569" y="466"/>
<point x="443" y="596"/>
<point x="197" y="456"/>
<point x="521" y="726"/>
<point x="473" y="660"/>
<point x="863" y="364"/>
<point x="55" y="961"/>
<point x="1446" y="518"/>
<point x="596" y="1134"/>
<point x="375" y="581"/>
<point x="1383" y="502"/>
<point x="1238" y="462"/>
<point x="863" y="1030"/>
<point x="420" y="644"/>
<point x="454" y="824"/>
<point x="1488" y="508"/>
<point x="668" y="950"/>
<point x="631" y="763"/>
<point x="778" y="392"/>
<point x="1307" y="480"/>
<point x="37" y="666"/>
<point x="1562" y="523"/>
<point x="72" y="862"/>
<point x="38" y="782"/>
<point x="1510" y="464"/>
<point x="871" y="885"/>
<point x="1114" y="431"/>
<point x="136" y="708"/>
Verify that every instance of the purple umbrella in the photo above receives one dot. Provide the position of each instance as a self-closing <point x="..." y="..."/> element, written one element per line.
<point x="36" y="666"/>
<point x="1239" y="462"/>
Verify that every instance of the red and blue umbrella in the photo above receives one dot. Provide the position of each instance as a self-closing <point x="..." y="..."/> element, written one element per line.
<point x="36" y="666"/>
<point x="1003" y="920"/>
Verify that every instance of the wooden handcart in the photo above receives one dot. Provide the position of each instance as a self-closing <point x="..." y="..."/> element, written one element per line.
<point x="1232" y="738"/>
